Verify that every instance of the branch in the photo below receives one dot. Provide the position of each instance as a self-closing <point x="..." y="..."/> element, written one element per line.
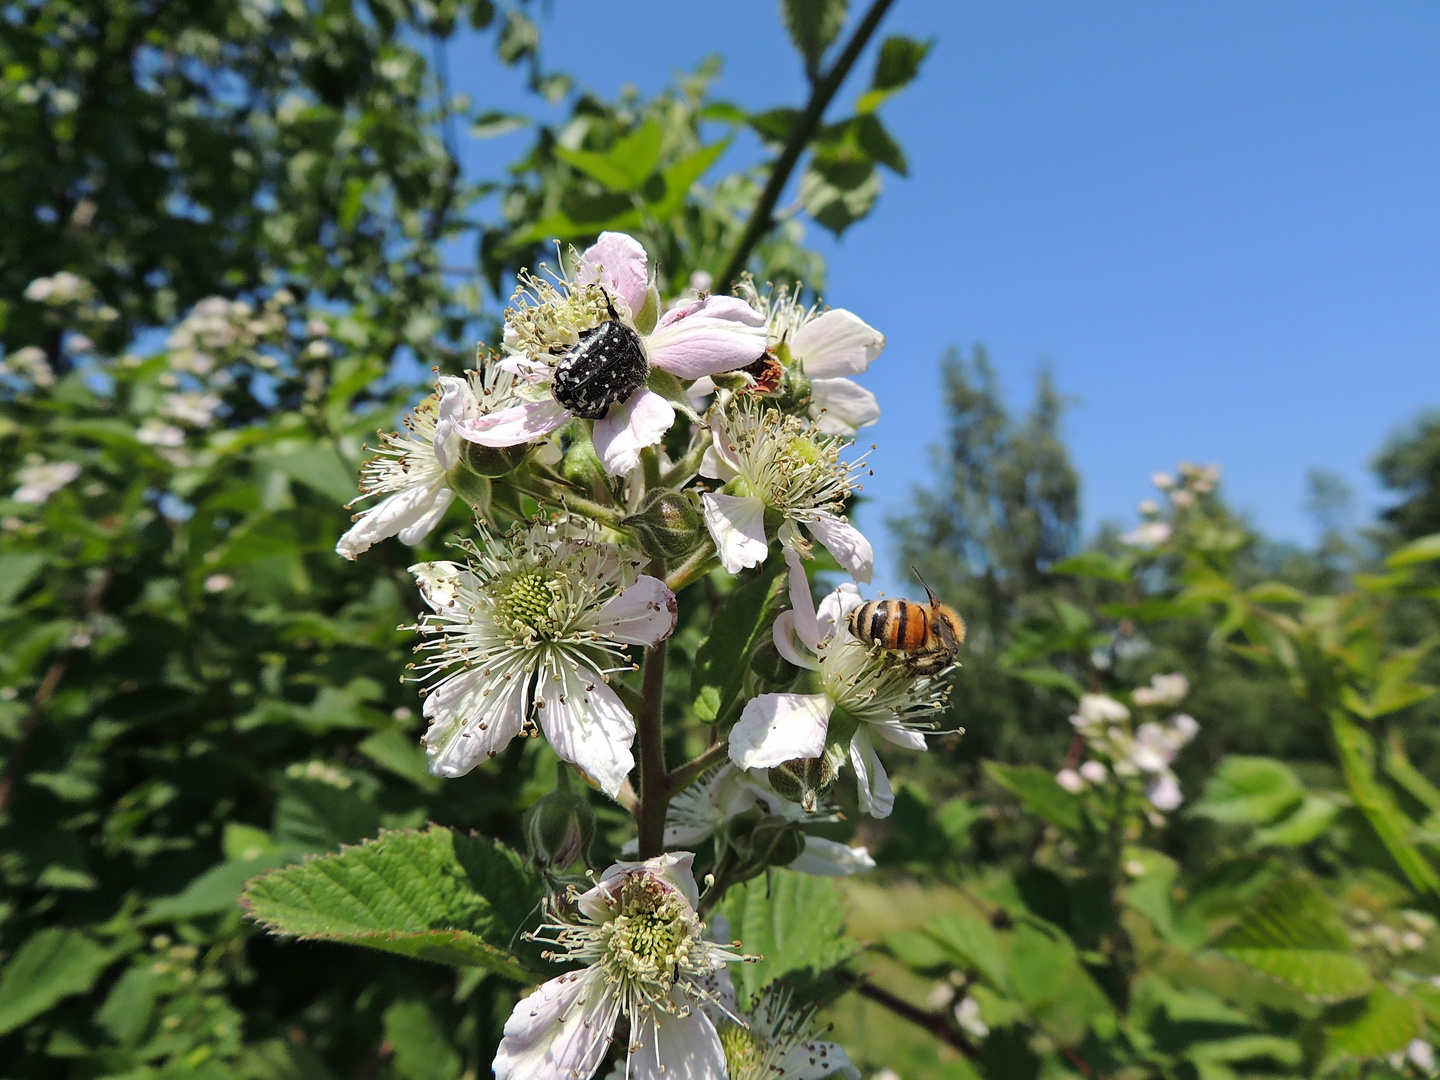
<point x="654" y="796"/>
<point x="761" y="220"/>
<point x="933" y="1022"/>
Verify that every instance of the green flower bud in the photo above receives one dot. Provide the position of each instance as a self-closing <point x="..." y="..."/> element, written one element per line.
<point x="581" y="465"/>
<point x="806" y="780"/>
<point x="492" y="460"/>
<point x="773" y="668"/>
<point x="759" y="840"/>
<point x="472" y="487"/>
<point x="560" y="827"/>
<point x="668" y="525"/>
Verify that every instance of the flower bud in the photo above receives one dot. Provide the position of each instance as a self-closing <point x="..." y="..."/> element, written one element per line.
<point x="560" y="826"/>
<point x="773" y="668"/>
<point x="472" y="487"/>
<point x="759" y="839"/>
<point x="668" y="526"/>
<point x="805" y="780"/>
<point x="581" y="465"/>
<point x="491" y="460"/>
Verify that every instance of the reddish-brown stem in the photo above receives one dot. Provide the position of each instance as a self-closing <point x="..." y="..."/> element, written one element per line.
<point x="650" y="732"/>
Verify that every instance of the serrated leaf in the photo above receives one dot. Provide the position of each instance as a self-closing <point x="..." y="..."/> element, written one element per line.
<point x="1041" y="795"/>
<point x="813" y="26"/>
<point x="1426" y="549"/>
<point x="1387" y="1023"/>
<point x="1326" y="976"/>
<point x="899" y="62"/>
<point x="51" y="965"/>
<point x="795" y="921"/>
<point x="434" y="895"/>
<point x="738" y="627"/>
<point x="1253" y="790"/>
<point x="972" y="942"/>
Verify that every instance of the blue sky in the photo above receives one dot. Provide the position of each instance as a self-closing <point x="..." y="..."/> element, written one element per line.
<point x="1218" y="224"/>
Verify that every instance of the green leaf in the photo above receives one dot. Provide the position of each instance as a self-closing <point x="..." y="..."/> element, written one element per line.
<point x="775" y="125"/>
<point x="813" y="26"/>
<point x="795" y="921"/>
<point x="879" y="145"/>
<point x="491" y="123"/>
<point x="1253" y="790"/>
<point x="17" y="570"/>
<point x="1410" y="779"/>
<point x="1050" y="679"/>
<point x="838" y="194"/>
<point x="314" y="815"/>
<point x="972" y="944"/>
<point x="1046" y="974"/>
<point x="1041" y="795"/>
<point x="518" y="39"/>
<point x="1285" y="1052"/>
<point x="422" y="1048"/>
<point x="317" y="466"/>
<point x="1097" y="564"/>
<point x="627" y="164"/>
<point x="681" y="176"/>
<point x="899" y="62"/>
<point x="1387" y="1023"/>
<point x="1308" y="821"/>
<point x="1426" y="549"/>
<point x="214" y="891"/>
<point x="400" y="754"/>
<point x="50" y="965"/>
<point x="434" y="895"/>
<point x="736" y="630"/>
<point x="1325" y="976"/>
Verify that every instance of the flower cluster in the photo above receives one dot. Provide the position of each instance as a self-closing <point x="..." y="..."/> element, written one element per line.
<point x="1183" y="492"/>
<point x="1143" y="754"/>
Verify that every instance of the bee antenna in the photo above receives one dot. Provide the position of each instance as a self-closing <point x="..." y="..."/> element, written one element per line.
<point x="928" y="591"/>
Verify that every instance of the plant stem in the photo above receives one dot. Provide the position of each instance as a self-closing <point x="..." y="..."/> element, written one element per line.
<point x="654" y="797"/>
<point x="933" y="1022"/>
<point x="821" y="94"/>
<point x="686" y="774"/>
<point x="701" y="561"/>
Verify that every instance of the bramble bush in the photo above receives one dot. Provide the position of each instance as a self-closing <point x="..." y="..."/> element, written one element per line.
<point x="542" y="755"/>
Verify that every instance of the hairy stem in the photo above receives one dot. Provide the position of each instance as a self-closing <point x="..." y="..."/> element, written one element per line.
<point x="822" y="92"/>
<point x="654" y="796"/>
<point x="700" y="562"/>
<point x="688" y="773"/>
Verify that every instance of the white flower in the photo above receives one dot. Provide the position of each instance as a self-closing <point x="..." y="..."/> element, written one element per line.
<point x="29" y="363"/>
<point x="700" y="336"/>
<point x="41" y="480"/>
<point x="1164" y="792"/>
<point x="967" y="1015"/>
<point x="62" y="288"/>
<point x="1421" y="1055"/>
<point x="412" y="470"/>
<point x="218" y="583"/>
<point x="698" y="811"/>
<point x="1149" y="534"/>
<point x="774" y="462"/>
<point x="645" y="957"/>
<point x="155" y="432"/>
<point x="1094" y="772"/>
<point x="773" y="1040"/>
<point x="526" y="631"/>
<point x="1163" y="690"/>
<point x="190" y="407"/>
<point x="1070" y="780"/>
<point x="1098" y="709"/>
<point x="1163" y="480"/>
<point x="872" y="694"/>
<point x="826" y="346"/>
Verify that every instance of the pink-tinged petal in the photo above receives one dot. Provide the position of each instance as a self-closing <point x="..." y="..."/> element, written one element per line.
<point x="561" y="1031"/>
<point x="587" y="725"/>
<point x="398" y="514"/>
<point x="629" y="427"/>
<point x="836" y="343"/>
<point x="840" y="406"/>
<point x="707" y="336"/>
<point x="417" y="530"/>
<point x="835" y="606"/>
<point x="737" y="525"/>
<point x="619" y="263"/>
<point x="676" y="1046"/>
<point x="876" y="796"/>
<point x="457" y="402"/>
<point x="846" y="543"/>
<point x="522" y="367"/>
<point x="802" y="604"/>
<point x="830" y="858"/>
<point x="515" y="425"/>
<point x="469" y="725"/>
<point x="788" y="643"/>
<point x="699" y="392"/>
<point x="899" y="735"/>
<point x="775" y="728"/>
<point x="644" y="614"/>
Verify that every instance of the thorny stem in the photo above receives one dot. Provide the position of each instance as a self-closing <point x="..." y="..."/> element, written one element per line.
<point x="822" y="92"/>
<point x="650" y="817"/>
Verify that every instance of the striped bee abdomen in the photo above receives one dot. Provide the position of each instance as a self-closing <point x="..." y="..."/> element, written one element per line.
<point x="892" y="624"/>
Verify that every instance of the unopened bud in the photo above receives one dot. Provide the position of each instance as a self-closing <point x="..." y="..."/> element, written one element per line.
<point x="668" y="526"/>
<point x="491" y="460"/>
<point x="580" y="465"/>
<point x="805" y="780"/>
<point x="760" y="839"/>
<point x="470" y="486"/>
<point x="560" y="826"/>
<point x="771" y="666"/>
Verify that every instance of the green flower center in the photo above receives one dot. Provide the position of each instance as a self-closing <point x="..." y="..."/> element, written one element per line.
<point x="525" y="604"/>
<point x="744" y="1053"/>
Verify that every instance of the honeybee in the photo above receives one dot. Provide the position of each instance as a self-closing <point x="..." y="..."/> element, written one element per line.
<point x="930" y="635"/>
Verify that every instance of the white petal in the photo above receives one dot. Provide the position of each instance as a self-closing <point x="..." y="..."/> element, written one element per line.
<point x="587" y="725"/>
<point x="629" y="427"/>
<point x="779" y="727"/>
<point x="876" y="797"/>
<point x="644" y="614"/>
<point x="699" y="391"/>
<point x="830" y="858"/>
<point x="738" y="526"/>
<point x="841" y="406"/>
<point x="674" y="867"/>
<point x="667" y="1046"/>
<point x="457" y="402"/>
<point x="560" y="1031"/>
<point x="835" y="606"/>
<point x="413" y="533"/>
<point x="469" y="725"/>
<point x="816" y="1061"/>
<point x="788" y="644"/>
<point x="836" y="343"/>
<point x="515" y="425"/>
<point x="395" y="513"/>
<point x="618" y="262"/>
<point x="845" y="542"/>
<point x="707" y="336"/>
<point x="899" y="735"/>
<point x="802" y="604"/>
<point x="440" y="582"/>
